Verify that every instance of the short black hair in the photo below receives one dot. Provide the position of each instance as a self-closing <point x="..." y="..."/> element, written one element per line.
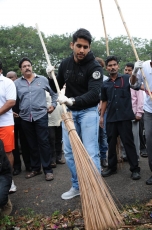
<point x="22" y="60"/>
<point x="111" y="58"/>
<point x="129" y="64"/>
<point x="82" y="33"/>
<point x="1" y="66"/>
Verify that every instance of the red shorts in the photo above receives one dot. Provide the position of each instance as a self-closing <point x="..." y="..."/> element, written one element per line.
<point x="7" y="136"/>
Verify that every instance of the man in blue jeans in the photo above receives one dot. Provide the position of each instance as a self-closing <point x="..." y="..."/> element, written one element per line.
<point x="83" y="77"/>
<point x="5" y="182"/>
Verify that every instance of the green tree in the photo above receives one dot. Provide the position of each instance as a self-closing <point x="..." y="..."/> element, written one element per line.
<point x="17" y="42"/>
<point x="20" y="41"/>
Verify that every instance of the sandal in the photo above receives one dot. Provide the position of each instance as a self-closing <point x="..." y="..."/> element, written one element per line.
<point x="49" y="176"/>
<point x="32" y="174"/>
<point x="53" y="165"/>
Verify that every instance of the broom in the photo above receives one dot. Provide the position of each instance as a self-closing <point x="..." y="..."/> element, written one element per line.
<point x="133" y="47"/>
<point x="99" y="209"/>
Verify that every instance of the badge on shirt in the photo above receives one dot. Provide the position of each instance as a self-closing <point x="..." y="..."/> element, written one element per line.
<point x="96" y="75"/>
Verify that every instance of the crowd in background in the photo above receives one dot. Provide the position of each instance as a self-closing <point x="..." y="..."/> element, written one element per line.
<point x="107" y="111"/>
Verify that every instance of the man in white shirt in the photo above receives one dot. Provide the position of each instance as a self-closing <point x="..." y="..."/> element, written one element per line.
<point x="137" y="79"/>
<point x="7" y="101"/>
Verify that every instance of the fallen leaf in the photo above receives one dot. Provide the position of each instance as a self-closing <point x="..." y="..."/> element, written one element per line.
<point x="149" y="203"/>
<point x="135" y="210"/>
<point x="30" y="221"/>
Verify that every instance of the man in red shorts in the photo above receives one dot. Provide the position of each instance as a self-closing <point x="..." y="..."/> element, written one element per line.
<point x="7" y="101"/>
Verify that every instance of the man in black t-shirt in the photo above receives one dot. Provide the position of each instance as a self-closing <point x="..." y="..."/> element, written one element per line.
<point x="116" y="98"/>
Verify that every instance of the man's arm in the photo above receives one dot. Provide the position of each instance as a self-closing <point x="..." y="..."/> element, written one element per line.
<point x="10" y="97"/>
<point x="7" y="106"/>
<point x="134" y="81"/>
<point x="139" y="106"/>
<point x="103" y="109"/>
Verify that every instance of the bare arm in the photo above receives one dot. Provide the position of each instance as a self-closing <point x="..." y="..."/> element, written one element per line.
<point x="133" y="79"/>
<point x="142" y="87"/>
<point x="7" y="106"/>
<point x="103" y="109"/>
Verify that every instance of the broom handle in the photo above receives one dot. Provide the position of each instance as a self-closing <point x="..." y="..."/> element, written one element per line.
<point x="135" y="52"/>
<point x="104" y="26"/>
<point x="49" y="63"/>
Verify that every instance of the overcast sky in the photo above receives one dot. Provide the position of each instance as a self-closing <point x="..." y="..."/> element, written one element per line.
<point x="66" y="16"/>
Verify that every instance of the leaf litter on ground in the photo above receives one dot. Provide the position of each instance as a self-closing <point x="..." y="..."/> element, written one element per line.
<point x="136" y="217"/>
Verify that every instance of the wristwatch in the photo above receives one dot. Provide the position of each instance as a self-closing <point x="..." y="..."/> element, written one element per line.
<point x="73" y="100"/>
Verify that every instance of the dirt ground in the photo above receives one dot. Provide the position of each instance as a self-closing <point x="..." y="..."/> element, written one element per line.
<point x="45" y="197"/>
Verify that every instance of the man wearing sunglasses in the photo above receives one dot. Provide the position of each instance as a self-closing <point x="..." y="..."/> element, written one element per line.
<point x="83" y="77"/>
<point x="116" y="98"/>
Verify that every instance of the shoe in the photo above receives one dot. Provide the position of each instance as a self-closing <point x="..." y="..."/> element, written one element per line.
<point x="149" y="181"/>
<point x="125" y="159"/>
<point x="61" y="162"/>
<point x="104" y="163"/>
<point x="16" y="172"/>
<point x="108" y="172"/>
<point x="70" y="194"/>
<point x="28" y="169"/>
<point x="49" y="176"/>
<point x="13" y="188"/>
<point x="143" y="153"/>
<point x="6" y="209"/>
<point x="135" y="175"/>
<point x="53" y="165"/>
<point x="32" y="174"/>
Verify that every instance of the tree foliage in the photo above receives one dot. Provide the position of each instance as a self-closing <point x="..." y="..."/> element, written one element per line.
<point x="20" y="41"/>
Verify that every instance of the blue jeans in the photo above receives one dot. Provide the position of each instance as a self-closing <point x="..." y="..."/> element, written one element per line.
<point x="5" y="184"/>
<point x="87" y="124"/>
<point x="103" y="145"/>
<point x="148" y="134"/>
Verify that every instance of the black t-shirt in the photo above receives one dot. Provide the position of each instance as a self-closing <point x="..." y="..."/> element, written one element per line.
<point x="83" y="81"/>
<point x="118" y="97"/>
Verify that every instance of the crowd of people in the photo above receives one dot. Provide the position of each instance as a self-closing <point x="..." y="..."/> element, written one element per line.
<point x="104" y="108"/>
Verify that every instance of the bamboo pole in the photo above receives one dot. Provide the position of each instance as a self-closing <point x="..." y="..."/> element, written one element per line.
<point x="134" y="49"/>
<point x="49" y="63"/>
<point x="104" y="26"/>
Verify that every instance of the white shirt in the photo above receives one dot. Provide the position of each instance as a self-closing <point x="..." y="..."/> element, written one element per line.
<point x="7" y="92"/>
<point x="148" y="74"/>
<point x="105" y="77"/>
<point x="54" y="119"/>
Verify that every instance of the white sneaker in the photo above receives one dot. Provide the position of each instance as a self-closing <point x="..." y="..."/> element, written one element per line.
<point x="13" y="188"/>
<point x="70" y="194"/>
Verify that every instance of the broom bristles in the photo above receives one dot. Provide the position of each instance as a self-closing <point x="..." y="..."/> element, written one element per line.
<point x="99" y="209"/>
